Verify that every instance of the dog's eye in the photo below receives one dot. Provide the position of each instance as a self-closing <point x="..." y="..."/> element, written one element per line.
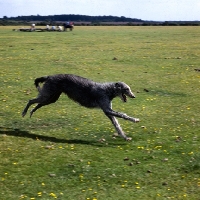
<point x="125" y="90"/>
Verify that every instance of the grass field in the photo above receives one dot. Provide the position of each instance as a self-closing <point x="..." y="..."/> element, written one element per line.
<point x="68" y="152"/>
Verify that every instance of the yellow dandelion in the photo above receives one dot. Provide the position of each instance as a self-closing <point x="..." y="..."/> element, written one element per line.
<point x="53" y="195"/>
<point x="39" y="194"/>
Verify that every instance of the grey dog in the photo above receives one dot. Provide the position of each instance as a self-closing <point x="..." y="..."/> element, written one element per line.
<point x="85" y="92"/>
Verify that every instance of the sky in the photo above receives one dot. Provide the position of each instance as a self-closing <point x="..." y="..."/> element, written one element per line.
<point x="157" y="10"/>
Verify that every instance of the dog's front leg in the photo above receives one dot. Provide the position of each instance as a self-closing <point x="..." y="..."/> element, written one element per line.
<point x="118" y="128"/>
<point x="111" y="112"/>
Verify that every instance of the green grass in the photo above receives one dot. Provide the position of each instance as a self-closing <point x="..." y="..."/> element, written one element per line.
<point x="58" y="154"/>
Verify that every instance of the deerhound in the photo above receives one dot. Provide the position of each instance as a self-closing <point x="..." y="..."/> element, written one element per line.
<point x="85" y="92"/>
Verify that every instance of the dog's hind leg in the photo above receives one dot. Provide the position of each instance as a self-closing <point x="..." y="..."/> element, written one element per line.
<point x="36" y="107"/>
<point x="118" y="127"/>
<point x="30" y="102"/>
<point x="50" y="100"/>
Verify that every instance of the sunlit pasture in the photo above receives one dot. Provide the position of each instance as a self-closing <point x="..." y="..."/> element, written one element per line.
<point x="66" y="151"/>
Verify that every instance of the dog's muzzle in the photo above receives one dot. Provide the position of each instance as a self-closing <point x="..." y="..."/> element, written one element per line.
<point x="132" y="96"/>
<point x="123" y="96"/>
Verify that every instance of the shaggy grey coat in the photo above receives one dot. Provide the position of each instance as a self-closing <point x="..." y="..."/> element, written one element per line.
<point x="85" y="92"/>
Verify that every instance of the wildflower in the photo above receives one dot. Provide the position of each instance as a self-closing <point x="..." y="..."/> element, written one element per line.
<point x="53" y="195"/>
<point x="39" y="194"/>
<point x="23" y="196"/>
<point x="157" y="147"/>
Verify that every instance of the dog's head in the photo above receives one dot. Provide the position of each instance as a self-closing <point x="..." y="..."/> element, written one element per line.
<point x="123" y="90"/>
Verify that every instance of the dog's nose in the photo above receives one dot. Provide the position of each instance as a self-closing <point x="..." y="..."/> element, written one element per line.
<point x="132" y="96"/>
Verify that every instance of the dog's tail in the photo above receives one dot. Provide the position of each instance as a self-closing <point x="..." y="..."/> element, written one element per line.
<point x="40" y="80"/>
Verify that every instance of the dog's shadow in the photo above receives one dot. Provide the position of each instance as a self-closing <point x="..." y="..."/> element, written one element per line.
<point x="26" y="134"/>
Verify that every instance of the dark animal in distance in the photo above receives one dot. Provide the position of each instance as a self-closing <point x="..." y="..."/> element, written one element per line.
<point x="85" y="92"/>
<point x="68" y="26"/>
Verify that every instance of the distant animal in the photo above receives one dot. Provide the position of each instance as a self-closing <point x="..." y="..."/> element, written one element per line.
<point x="85" y="92"/>
<point x="68" y="26"/>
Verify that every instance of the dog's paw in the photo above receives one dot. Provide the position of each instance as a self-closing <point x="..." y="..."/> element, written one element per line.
<point x="128" y="139"/>
<point x="31" y="113"/>
<point x="23" y="114"/>
<point x="137" y="120"/>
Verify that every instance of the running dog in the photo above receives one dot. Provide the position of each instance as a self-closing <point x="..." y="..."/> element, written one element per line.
<point x="85" y="92"/>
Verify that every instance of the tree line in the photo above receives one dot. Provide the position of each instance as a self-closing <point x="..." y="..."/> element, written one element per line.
<point x="85" y="20"/>
<point x="71" y="17"/>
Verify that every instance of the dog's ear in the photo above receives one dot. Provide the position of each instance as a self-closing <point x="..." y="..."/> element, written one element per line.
<point x="117" y="86"/>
